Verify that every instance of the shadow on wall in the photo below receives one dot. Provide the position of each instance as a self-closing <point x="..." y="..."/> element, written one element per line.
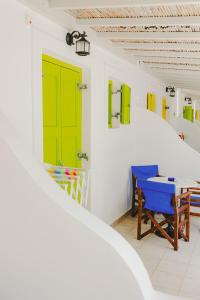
<point x="158" y="142"/>
<point x="54" y="249"/>
<point x="191" y="132"/>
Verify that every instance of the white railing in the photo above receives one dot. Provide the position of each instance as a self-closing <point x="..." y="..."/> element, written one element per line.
<point x="74" y="181"/>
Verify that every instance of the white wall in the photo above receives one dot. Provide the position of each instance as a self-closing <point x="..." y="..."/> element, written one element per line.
<point x="111" y="151"/>
<point x="160" y="144"/>
<point x="190" y="130"/>
<point x="52" y="248"/>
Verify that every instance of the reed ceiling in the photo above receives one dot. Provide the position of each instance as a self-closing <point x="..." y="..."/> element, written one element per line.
<point x="162" y="38"/>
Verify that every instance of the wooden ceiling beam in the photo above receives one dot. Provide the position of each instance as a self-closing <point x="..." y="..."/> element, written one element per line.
<point x="172" y="67"/>
<point x="168" y="54"/>
<point x="144" y="21"/>
<point x="170" y="60"/>
<point x="158" y="46"/>
<point x="150" y="35"/>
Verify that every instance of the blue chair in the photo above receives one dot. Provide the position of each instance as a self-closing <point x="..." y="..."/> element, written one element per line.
<point x="161" y="198"/>
<point x="141" y="172"/>
<point x="194" y="200"/>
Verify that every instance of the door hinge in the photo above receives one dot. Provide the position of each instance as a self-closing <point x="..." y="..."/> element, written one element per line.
<point x="82" y="86"/>
<point x="81" y="155"/>
<point x="116" y="115"/>
<point x="117" y="92"/>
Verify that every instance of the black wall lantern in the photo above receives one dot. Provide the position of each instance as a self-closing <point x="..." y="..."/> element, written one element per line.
<point x="82" y="44"/>
<point x="189" y="100"/>
<point x="171" y="91"/>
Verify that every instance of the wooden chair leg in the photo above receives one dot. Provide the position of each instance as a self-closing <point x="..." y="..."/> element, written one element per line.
<point x="134" y="209"/>
<point x="188" y="223"/>
<point x="139" y="214"/>
<point x="176" y="227"/>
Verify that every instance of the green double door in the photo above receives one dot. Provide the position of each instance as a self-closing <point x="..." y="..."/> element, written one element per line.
<point x="62" y="113"/>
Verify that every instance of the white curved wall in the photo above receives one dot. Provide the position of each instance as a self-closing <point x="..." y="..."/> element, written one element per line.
<point x="54" y="249"/>
<point x="190" y="130"/>
<point x="158" y="142"/>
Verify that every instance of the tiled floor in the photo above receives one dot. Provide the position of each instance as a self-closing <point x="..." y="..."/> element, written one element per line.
<point x="173" y="272"/>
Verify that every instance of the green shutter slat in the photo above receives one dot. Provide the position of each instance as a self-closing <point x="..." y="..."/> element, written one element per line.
<point x="125" y="104"/>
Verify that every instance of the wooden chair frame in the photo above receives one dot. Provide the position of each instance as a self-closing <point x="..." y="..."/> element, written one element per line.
<point x="195" y="191"/>
<point x="134" y="209"/>
<point x="176" y="219"/>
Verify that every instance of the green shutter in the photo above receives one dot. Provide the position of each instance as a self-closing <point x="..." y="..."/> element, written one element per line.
<point x="51" y="120"/>
<point x="62" y="113"/>
<point x="125" y="104"/>
<point x="188" y="113"/>
<point x="110" y="90"/>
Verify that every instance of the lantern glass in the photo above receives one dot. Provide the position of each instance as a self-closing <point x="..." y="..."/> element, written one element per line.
<point x="172" y="94"/>
<point x="83" y="47"/>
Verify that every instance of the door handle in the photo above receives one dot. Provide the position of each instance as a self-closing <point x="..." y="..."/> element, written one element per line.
<point x="81" y="155"/>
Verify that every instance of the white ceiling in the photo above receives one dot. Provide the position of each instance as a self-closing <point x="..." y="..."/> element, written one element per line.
<point x="163" y="36"/>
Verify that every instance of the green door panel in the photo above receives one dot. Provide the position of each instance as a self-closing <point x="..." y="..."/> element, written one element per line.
<point x="71" y="117"/>
<point x="51" y="94"/>
<point x="125" y="104"/>
<point x="69" y="151"/>
<point x="62" y="113"/>
<point x="51" y="83"/>
<point x="51" y="156"/>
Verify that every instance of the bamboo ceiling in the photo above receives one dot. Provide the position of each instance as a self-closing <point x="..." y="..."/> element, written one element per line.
<point x="166" y="48"/>
<point x="138" y="12"/>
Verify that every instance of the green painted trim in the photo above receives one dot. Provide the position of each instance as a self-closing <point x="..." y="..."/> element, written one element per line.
<point x="60" y="63"/>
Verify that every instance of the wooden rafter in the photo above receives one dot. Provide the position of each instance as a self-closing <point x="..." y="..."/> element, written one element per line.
<point x="145" y="21"/>
<point x="150" y="35"/>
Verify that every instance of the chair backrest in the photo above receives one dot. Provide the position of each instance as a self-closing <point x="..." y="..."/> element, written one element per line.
<point x="158" y="196"/>
<point x="145" y="172"/>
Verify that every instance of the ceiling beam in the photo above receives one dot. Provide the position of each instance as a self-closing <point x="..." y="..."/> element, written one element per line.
<point x="81" y="4"/>
<point x="164" y="54"/>
<point x="183" y="73"/>
<point x="170" y="60"/>
<point x="157" y="46"/>
<point x="172" y="67"/>
<point x="150" y="35"/>
<point x="146" y="21"/>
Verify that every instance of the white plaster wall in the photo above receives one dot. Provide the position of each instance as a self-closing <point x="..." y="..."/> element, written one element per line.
<point x="51" y="248"/>
<point x="160" y="144"/>
<point x="111" y="151"/>
<point x="190" y="130"/>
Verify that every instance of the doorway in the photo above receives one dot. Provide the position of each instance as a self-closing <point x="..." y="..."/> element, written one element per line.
<point x="62" y="113"/>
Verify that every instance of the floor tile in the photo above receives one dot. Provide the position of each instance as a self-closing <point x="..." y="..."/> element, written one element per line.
<point x="190" y="288"/>
<point x="172" y="272"/>
<point x="166" y="280"/>
<point x="180" y="269"/>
